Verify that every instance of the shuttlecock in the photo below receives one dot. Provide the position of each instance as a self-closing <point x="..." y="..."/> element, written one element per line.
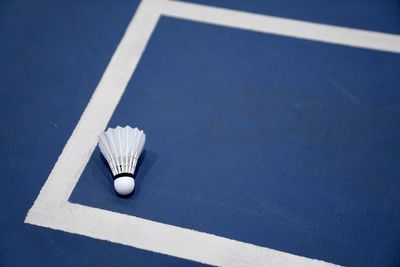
<point x="122" y="147"/>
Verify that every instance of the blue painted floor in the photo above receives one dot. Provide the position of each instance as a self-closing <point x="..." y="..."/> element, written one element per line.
<point x="280" y="142"/>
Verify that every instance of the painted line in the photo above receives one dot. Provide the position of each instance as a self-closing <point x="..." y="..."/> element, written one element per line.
<point x="282" y="26"/>
<point x="162" y="238"/>
<point x="104" y="100"/>
<point x="52" y="209"/>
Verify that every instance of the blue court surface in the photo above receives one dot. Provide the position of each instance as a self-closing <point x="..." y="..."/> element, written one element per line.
<point x="286" y="143"/>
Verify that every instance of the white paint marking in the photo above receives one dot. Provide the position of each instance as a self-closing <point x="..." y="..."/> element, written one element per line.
<point x="282" y="26"/>
<point x="102" y="104"/>
<point x="162" y="238"/>
<point x="52" y="209"/>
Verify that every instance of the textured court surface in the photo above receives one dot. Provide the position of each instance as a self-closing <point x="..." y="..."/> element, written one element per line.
<point x="280" y="142"/>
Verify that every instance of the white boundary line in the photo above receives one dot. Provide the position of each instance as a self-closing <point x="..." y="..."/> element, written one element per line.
<point x="282" y="26"/>
<point x="52" y="208"/>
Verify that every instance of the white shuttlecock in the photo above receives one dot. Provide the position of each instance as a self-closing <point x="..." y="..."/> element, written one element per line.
<point x="122" y="147"/>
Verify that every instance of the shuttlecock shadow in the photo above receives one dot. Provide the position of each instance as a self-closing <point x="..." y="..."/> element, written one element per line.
<point x="145" y="161"/>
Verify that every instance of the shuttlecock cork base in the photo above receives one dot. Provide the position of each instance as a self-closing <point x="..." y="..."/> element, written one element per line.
<point x="122" y="147"/>
<point x="124" y="183"/>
